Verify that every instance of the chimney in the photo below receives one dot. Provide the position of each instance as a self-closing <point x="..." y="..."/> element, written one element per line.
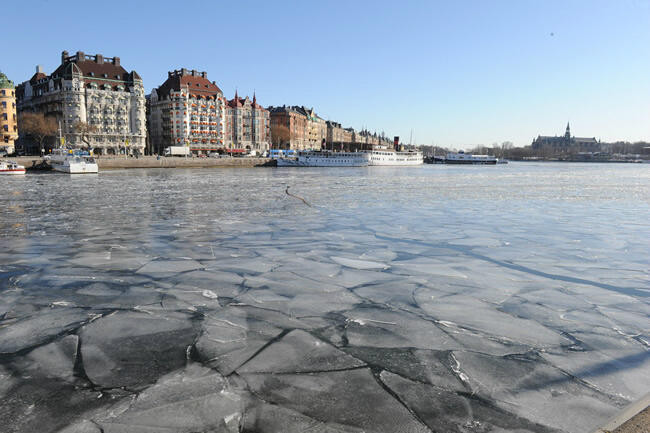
<point x="99" y="59"/>
<point x="64" y="54"/>
<point x="116" y="61"/>
<point x="169" y="74"/>
<point x="81" y="56"/>
<point x="204" y="74"/>
<point x="39" y="69"/>
<point x="183" y="71"/>
<point x="194" y="72"/>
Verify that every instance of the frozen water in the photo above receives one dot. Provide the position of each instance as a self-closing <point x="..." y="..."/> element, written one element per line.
<point x="352" y="398"/>
<point x="299" y="352"/>
<point x="433" y="298"/>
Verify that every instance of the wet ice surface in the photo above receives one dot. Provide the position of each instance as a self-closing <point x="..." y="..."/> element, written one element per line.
<point x="445" y="299"/>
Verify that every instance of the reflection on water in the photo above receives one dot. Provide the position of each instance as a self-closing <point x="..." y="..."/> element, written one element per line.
<point x="401" y="291"/>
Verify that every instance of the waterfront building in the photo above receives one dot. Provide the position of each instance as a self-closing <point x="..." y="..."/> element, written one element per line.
<point x="566" y="142"/>
<point x="187" y="110"/>
<point x="248" y="124"/>
<point x="8" y="123"/>
<point x="97" y="103"/>
<point x="288" y="128"/>
<point x="297" y="127"/>
<point x="334" y="135"/>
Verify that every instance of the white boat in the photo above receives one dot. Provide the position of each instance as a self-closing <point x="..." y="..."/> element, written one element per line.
<point x="73" y="162"/>
<point x="393" y="157"/>
<point x="325" y="158"/>
<point x="11" y="168"/>
<point x="467" y="158"/>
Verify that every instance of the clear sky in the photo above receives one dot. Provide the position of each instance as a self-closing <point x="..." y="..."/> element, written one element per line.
<point x="456" y="73"/>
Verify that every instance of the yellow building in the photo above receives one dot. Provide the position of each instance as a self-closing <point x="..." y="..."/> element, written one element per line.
<point x="8" y="121"/>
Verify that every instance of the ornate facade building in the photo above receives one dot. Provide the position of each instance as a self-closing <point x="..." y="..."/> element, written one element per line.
<point x="8" y="122"/>
<point x="94" y="93"/>
<point x="566" y="142"/>
<point x="187" y="110"/>
<point x="248" y="125"/>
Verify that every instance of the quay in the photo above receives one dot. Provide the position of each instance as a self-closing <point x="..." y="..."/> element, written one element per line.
<point x="119" y="162"/>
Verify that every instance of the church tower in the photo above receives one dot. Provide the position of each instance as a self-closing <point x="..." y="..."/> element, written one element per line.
<point x="567" y="134"/>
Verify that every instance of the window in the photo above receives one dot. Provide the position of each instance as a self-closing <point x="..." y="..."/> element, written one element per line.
<point x="4" y="116"/>
<point x="3" y="92"/>
<point x="4" y="104"/>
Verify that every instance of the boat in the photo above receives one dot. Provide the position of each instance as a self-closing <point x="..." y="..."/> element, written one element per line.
<point x="72" y="161"/>
<point x="467" y="158"/>
<point x="325" y="158"/>
<point x="384" y="156"/>
<point x="11" y="168"/>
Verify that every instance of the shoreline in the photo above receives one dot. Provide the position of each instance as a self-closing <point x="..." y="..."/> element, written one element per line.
<point x="115" y="163"/>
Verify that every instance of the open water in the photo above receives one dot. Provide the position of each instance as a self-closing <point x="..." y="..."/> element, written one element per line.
<point x="417" y="299"/>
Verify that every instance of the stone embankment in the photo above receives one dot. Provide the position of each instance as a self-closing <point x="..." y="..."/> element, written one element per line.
<point x="110" y="162"/>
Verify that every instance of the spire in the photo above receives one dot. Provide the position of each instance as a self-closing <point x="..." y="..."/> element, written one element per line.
<point x="236" y="97"/>
<point x="254" y="98"/>
<point x="567" y="134"/>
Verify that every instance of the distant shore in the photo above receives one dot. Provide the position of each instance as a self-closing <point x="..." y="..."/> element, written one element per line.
<point x="119" y="162"/>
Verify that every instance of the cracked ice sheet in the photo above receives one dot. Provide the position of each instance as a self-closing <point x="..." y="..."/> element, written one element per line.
<point x="191" y="399"/>
<point x="350" y="398"/>
<point x="40" y="327"/>
<point x="446" y="411"/>
<point x="299" y="352"/>
<point x="486" y="318"/>
<point x="609" y="361"/>
<point x="132" y="349"/>
<point x="536" y="391"/>
<point x="384" y="328"/>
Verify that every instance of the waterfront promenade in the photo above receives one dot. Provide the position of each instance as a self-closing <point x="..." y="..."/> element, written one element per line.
<point x="117" y="162"/>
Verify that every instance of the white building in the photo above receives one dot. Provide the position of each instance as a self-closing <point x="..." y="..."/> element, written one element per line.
<point x="94" y="91"/>
<point x="187" y="110"/>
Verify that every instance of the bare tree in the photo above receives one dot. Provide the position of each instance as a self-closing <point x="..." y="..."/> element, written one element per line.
<point x="85" y="130"/>
<point x="38" y="126"/>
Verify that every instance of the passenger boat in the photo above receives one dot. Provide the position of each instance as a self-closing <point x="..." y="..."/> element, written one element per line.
<point x="11" y="167"/>
<point x="325" y="158"/>
<point x="467" y="158"/>
<point x="381" y="156"/>
<point x="73" y="162"/>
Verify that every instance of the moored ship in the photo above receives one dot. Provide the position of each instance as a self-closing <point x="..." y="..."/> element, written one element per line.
<point x="467" y="158"/>
<point x="11" y="168"/>
<point x="394" y="157"/>
<point x="73" y="162"/>
<point x="325" y="158"/>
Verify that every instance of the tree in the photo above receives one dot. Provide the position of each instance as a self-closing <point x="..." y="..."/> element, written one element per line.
<point x="279" y="135"/>
<point x="38" y="126"/>
<point x="85" y="130"/>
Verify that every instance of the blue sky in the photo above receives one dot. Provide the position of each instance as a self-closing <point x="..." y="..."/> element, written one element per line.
<point x="456" y="73"/>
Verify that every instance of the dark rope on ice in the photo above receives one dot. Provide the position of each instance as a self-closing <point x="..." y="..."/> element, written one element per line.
<point x="298" y="197"/>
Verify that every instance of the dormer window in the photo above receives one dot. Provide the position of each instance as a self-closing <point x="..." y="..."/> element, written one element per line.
<point x="105" y="75"/>
<point x="92" y="74"/>
<point x="117" y="77"/>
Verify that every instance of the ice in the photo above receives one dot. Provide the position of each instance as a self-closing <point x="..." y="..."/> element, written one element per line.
<point x="267" y="418"/>
<point x="165" y="268"/>
<point x="427" y="366"/>
<point x="350" y="398"/>
<point x="446" y="411"/>
<point x="359" y="264"/>
<point x="518" y="384"/>
<point x="487" y="318"/>
<point x="54" y="360"/>
<point x="40" y="327"/>
<point x="193" y="399"/>
<point x="495" y="299"/>
<point x="231" y="337"/>
<point x="383" y="328"/>
<point x="130" y="349"/>
<point x="299" y="352"/>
